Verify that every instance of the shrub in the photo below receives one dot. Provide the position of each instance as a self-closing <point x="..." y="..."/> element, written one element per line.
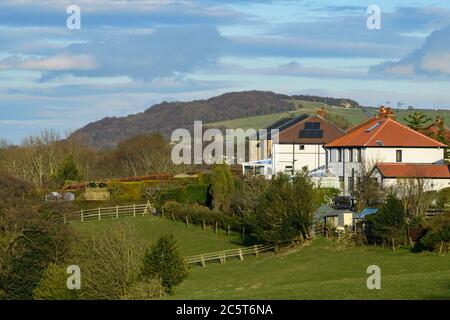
<point x="388" y="223"/>
<point x="222" y="187"/>
<point x="165" y="261"/>
<point x="443" y="197"/>
<point x="433" y="239"/>
<point x="29" y="242"/>
<point x="52" y="285"/>
<point x="438" y="232"/>
<point x="110" y="262"/>
<point x="144" y="290"/>
<point x="285" y="212"/>
<point x="199" y="214"/>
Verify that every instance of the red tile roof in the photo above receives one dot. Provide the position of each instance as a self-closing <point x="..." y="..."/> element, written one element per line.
<point x="379" y="132"/>
<point x="414" y="170"/>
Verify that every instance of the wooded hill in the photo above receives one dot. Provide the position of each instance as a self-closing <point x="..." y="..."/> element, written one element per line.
<point x="167" y="116"/>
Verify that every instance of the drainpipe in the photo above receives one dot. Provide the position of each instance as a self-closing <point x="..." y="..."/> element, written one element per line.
<point x="343" y="168"/>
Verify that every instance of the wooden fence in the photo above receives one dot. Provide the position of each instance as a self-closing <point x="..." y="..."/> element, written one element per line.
<point x="109" y="212"/>
<point x="222" y="256"/>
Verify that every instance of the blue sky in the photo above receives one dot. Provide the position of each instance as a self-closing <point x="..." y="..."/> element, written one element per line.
<point x="131" y="54"/>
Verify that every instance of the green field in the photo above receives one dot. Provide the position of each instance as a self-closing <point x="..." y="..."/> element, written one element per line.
<point x="321" y="270"/>
<point x="354" y="116"/>
<point x="150" y="228"/>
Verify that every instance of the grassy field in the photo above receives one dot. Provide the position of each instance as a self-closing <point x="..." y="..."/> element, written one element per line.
<point x="194" y="241"/>
<point x="321" y="270"/>
<point x="354" y="116"/>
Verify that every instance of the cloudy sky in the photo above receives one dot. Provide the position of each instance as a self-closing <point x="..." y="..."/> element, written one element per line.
<point x="131" y="54"/>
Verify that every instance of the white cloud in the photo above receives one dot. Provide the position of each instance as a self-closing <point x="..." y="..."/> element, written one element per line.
<point x="438" y="63"/>
<point x="432" y="60"/>
<point x="60" y="62"/>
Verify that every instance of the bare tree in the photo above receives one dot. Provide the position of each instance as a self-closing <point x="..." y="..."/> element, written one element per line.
<point x="415" y="197"/>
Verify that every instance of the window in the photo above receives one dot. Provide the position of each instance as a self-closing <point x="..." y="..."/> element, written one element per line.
<point x="358" y="155"/>
<point x="398" y="156"/>
<point x="301" y="147"/>
<point x="288" y="169"/>
<point x="340" y="155"/>
<point x="350" y="151"/>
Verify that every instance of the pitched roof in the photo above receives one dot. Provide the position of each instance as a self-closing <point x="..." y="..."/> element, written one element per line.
<point x="301" y="133"/>
<point x="280" y="125"/>
<point x="379" y="132"/>
<point x="414" y="170"/>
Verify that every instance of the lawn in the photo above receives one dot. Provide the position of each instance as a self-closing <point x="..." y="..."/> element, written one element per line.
<point x="194" y="241"/>
<point x="323" y="270"/>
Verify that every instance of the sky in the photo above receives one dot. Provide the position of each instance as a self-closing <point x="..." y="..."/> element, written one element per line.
<point x="128" y="55"/>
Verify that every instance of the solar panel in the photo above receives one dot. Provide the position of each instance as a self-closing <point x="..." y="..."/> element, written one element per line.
<point x="312" y="125"/>
<point x="311" y="134"/>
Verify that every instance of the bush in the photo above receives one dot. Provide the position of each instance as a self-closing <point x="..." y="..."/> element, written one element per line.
<point x="165" y="261"/>
<point x="438" y="232"/>
<point x="53" y="285"/>
<point x="199" y="214"/>
<point x="388" y="223"/>
<point x="144" y="290"/>
<point x="110" y="262"/>
<point x="443" y="197"/>
<point x="29" y="242"/>
<point x="285" y="213"/>
<point x="433" y="239"/>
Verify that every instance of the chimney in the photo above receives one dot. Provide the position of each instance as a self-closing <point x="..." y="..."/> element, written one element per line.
<point x="390" y="114"/>
<point x="439" y="123"/>
<point x="382" y="112"/>
<point x="322" y="112"/>
<point x="386" y="113"/>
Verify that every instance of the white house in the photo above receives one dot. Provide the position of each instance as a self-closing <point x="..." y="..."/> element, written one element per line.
<point x="301" y="144"/>
<point x="382" y="140"/>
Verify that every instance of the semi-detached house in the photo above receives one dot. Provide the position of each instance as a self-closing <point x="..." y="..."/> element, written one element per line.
<point x="388" y="148"/>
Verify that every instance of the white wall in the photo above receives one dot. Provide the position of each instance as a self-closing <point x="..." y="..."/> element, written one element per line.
<point x="409" y="155"/>
<point x="370" y="156"/>
<point x="431" y="184"/>
<point x="313" y="156"/>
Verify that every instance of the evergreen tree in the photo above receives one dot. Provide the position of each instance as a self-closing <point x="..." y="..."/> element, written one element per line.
<point x="68" y="171"/>
<point x="222" y="187"/>
<point x="417" y="120"/>
<point x="165" y="261"/>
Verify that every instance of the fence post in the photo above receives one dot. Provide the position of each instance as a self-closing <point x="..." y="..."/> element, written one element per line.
<point x="187" y="222"/>
<point x="145" y="209"/>
<point x="82" y="216"/>
<point x="215" y="228"/>
<point x="204" y="225"/>
<point x="240" y="254"/>
<point x="203" y="261"/>
<point x="99" y="213"/>
<point x="256" y="249"/>
<point x="117" y="212"/>
<point x="228" y="231"/>
<point x="134" y="209"/>
<point x="173" y="217"/>
<point x="65" y="219"/>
